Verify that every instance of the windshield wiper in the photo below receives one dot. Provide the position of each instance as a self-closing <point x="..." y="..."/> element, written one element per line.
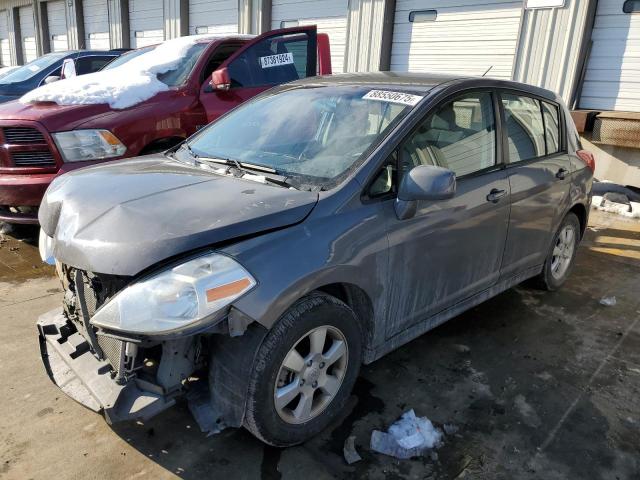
<point x="269" y="174"/>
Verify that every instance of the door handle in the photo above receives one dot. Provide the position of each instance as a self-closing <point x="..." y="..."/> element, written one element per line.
<point x="495" y="195"/>
<point x="562" y="173"/>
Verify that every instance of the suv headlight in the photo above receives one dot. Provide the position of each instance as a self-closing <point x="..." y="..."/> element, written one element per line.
<point x="83" y="145"/>
<point x="183" y="296"/>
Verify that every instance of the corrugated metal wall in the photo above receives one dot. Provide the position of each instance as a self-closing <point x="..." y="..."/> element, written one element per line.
<point x="365" y="29"/>
<point x="612" y="80"/>
<point x="549" y="47"/>
<point x="467" y="37"/>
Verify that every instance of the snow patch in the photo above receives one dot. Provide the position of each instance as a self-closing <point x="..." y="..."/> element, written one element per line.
<point x="123" y="86"/>
<point x="618" y="208"/>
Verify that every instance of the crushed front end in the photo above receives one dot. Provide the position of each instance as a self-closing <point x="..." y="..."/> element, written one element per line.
<point x="126" y="377"/>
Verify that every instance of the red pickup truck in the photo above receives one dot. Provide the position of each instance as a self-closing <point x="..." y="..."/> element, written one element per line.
<point x="41" y="140"/>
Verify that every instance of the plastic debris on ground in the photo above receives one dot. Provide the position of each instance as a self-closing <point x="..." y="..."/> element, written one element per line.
<point x="614" y="203"/>
<point x="608" y="301"/>
<point x="349" y="450"/>
<point x="408" y="437"/>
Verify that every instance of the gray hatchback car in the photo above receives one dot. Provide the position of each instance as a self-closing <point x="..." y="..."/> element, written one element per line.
<point x="255" y="267"/>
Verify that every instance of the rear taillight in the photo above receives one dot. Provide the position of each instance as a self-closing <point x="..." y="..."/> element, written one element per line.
<point x="588" y="159"/>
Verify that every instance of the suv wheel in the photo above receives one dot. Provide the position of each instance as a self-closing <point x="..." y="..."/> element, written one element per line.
<point x="560" y="259"/>
<point x="304" y="371"/>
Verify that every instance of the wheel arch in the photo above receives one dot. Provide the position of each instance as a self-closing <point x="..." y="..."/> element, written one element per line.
<point x="580" y="211"/>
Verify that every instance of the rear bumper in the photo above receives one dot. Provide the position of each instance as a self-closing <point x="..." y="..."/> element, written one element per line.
<point x="81" y="375"/>
<point x="22" y="191"/>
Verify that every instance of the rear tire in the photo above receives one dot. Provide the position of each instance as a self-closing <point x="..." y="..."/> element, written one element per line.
<point x="561" y="256"/>
<point x="304" y="371"/>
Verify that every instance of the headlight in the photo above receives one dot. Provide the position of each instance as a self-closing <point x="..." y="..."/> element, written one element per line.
<point x="82" y="145"/>
<point x="183" y="296"/>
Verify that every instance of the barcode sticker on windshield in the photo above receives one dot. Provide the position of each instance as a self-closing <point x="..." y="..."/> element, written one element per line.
<point x="276" y="60"/>
<point x="393" y="97"/>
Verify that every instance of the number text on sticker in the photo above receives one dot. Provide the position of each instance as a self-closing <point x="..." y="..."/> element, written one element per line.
<point x="276" y="60"/>
<point x="393" y="97"/>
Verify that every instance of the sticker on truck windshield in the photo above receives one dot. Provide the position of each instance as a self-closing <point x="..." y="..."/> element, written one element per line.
<point x="276" y="60"/>
<point x="393" y="97"/>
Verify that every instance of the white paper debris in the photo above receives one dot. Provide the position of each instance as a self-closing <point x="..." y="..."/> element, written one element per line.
<point x="123" y="86"/>
<point x="409" y="437"/>
<point x="608" y="301"/>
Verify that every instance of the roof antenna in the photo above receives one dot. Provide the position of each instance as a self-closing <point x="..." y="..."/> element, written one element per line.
<point x="487" y="71"/>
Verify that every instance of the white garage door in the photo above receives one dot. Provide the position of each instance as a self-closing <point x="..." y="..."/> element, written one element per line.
<point x="5" y="49"/>
<point x="146" y="21"/>
<point x="57" y="26"/>
<point x="612" y="80"/>
<point x="330" y="16"/>
<point x="213" y="16"/>
<point x="28" y="33"/>
<point x="464" y="37"/>
<point x="96" y="24"/>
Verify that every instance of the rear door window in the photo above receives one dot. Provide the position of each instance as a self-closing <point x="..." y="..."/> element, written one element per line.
<point x="459" y="135"/>
<point x="91" y="64"/>
<point x="525" y="127"/>
<point x="551" y="127"/>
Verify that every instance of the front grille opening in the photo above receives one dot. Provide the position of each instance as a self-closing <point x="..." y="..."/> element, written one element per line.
<point x="22" y="135"/>
<point x="33" y="159"/>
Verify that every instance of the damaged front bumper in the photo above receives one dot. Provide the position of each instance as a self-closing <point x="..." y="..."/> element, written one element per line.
<point x="79" y="373"/>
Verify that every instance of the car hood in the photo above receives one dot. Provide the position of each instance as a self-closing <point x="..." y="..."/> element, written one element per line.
<point x="123" y="217"/>
<point x="53" y="117"/>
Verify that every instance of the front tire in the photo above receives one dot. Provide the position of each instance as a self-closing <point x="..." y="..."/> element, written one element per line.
<point x="304" y="371"/>
<point x="561" y="256"/>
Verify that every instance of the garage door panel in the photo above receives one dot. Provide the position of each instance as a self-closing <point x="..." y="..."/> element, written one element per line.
<point x="146" y="22"/>
<point x="330" y="17"/>
<point x="468" y="37"/>
<point x="612" y="78"/>
<point x="5" y="48"/>
<point x="57" y="19"/>
<point x="217" y="16"/>
<point x="28" y="33"/>
<point x="96" y="24"/>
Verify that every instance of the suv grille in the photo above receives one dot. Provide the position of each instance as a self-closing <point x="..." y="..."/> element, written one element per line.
<point x="33" y="159"/>
<point x="22" y="135"/>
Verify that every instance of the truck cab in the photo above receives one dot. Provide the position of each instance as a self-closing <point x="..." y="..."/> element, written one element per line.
<point x="44" y="139"/>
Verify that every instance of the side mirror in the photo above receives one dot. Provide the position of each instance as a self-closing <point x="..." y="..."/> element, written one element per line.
<point x="51" y="79"/>
<point x="424" y="182"/>
<point x="220" y="80"/>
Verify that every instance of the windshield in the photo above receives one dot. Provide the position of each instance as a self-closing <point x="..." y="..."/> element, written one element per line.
<point x="312" y="135"/>
<point x="32" y="68"/>
<point x="125" y="57"/>
<point x="179" y="74"/>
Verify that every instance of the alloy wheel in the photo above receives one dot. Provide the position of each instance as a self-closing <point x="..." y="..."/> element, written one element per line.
<point x="563" y="252"/>
<point x="311" y="374"/>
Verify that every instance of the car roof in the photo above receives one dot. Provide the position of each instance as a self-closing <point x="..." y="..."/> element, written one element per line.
<point x="418" y="82"/>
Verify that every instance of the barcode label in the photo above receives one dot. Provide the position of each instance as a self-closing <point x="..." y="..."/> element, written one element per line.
<point x="393" y="97"/>
<point x="276" y="60"/>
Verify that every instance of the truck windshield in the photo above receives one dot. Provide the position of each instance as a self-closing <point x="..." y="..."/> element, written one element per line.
<point x="27" y="71"/>
<point x="311" y="135"/>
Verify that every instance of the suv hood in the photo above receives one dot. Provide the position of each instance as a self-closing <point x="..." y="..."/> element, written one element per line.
<point x="53" y="117"/>
<point x="123" y="217"/>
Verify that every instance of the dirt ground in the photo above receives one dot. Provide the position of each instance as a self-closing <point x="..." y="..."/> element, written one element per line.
<point x="539" y="385"/>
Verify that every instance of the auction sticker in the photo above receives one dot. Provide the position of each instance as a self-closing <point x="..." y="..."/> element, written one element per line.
<point x="393" y="97"/>
<point x="276" y="60"/>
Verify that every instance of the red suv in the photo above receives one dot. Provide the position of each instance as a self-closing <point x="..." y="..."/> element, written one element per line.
<point x="39" y="141"/>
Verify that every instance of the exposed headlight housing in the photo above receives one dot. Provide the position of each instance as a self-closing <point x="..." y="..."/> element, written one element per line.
<point x="182" y="297"/>
<point x="83" y="145"/>
<point x="45" y="247"/>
